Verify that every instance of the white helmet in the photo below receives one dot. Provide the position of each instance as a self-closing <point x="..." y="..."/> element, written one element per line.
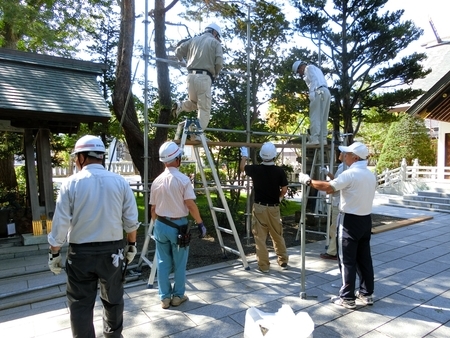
<point x="92" y="145"/>
<point x="268" y="151"/>
<point x="296" y="65"/>
<point x="215" y="27"/>
<point x="169" y="151"/>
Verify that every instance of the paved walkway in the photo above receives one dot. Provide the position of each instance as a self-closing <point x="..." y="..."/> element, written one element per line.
<point x="412" y="292"/>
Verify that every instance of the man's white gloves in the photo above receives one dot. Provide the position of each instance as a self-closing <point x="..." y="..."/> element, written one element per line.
<point x="54" y="262"/>
<point x="244" y="151"/>
<point x="304" y="179"/>
<point x="324" y="171"/>
<point x="130" y="251"/>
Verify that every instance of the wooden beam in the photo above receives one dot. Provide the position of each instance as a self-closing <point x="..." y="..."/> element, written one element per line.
<point x="31" y="175"/>
<point x="45" y="171"/>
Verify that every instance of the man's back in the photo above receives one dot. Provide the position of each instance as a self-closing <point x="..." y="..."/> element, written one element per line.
<point x="202" y="52"/>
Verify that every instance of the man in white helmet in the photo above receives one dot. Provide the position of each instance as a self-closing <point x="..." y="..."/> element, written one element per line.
<point x="270" y="186"/>
<point x="204" y="60"/>
<point x="93" y="209"/>
<point x="319" y="100"/>
<point x="172" y="198"/>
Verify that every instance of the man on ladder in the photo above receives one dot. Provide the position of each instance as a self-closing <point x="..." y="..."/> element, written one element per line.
<point x="172" y="198"/>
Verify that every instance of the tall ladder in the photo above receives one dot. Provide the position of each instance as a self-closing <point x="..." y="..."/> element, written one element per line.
<point x="322" y="208"/>
<point x="191" y="126"/>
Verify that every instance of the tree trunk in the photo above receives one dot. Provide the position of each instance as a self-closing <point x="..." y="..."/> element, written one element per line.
<point x="123" y="101"/>
<point x="163" y="80"/>
<point x="8" y="179"/>
<point x="132" y="130"/>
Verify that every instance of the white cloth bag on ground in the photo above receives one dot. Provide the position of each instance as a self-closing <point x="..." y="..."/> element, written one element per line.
<point x="283" y="323"/>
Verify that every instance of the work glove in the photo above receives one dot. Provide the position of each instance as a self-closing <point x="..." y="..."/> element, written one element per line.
<point x="130" y="251"/>
<point x="304" y="179"/>
<point x="54" y="262"/>
<point x="201" y="228"/>
<point x="244" y="151"/>
<point x="324" y="171"/>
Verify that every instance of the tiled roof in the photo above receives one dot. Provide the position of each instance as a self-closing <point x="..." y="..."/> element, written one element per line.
<point x="42" y="89"/>
<point x="435" y="102"/>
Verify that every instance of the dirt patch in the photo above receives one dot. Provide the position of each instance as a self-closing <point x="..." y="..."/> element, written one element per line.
<point x="207" y="251"/>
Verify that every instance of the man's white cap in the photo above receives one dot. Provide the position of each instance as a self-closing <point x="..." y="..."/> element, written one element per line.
<point x="357" y="148"/>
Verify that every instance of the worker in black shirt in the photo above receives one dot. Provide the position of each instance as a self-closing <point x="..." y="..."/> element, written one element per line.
<point x="270" y="186"/>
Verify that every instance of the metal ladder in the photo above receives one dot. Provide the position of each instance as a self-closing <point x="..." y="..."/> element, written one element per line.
<point x="191" y="126"/>
<point x="323" y="201"/>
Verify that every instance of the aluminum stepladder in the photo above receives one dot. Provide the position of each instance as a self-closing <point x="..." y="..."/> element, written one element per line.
<point x="323" y="201"/>
<point x="305" y="195"/>
<point x="191" y="126"/>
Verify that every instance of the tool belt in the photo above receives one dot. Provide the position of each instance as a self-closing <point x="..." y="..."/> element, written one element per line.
<point x="184" y="232"/>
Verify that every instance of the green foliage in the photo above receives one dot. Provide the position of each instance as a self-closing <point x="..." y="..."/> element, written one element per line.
<point x="374" y="131"/>
<point x="51" y="26"/>
<point x="408" y="138"/>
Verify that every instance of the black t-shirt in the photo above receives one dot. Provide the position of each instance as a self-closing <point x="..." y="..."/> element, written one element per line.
<point x="267" y="180"/>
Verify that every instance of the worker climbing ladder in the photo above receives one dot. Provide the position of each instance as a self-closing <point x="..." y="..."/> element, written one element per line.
<point x="191" y="127"/>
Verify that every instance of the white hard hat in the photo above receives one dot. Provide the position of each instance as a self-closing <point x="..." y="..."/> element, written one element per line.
<point x="296" y="65"/>
<point x="90" y="144"/>
<point x="169" y="151"/>
<point x="268" y="151"/>
<point x="215" y="27"/>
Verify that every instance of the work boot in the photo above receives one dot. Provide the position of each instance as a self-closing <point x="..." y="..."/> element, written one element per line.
<point x="176" y="109"/>
<point x="165" y="303"/>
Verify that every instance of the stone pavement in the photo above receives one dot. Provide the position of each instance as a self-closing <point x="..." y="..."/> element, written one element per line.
<point x="412" y="292"/>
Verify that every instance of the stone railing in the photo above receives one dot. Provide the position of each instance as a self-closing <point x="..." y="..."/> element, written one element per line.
<point x="410" y="179"/>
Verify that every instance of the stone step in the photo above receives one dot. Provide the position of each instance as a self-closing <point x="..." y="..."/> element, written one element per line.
<point x="440" y="207"/>
<point x="427" y="199"/>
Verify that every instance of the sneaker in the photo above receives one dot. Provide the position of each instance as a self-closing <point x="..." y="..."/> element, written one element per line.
<point x="368" y="300"/>
<point x="327" y="256"/>
<point x="263" y="270"/>
<point x="348" y="304"/>
<point x="179" y="300"/>
<point x="313" y="143"/>
<point x="284" y="266"/>
<point x="165" y="303"/>
<point x="176" y="109"/>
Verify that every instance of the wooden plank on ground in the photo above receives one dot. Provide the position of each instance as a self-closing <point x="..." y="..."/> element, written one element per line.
<point x="399" y="224"/>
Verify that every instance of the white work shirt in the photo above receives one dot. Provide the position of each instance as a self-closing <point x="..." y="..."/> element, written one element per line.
<point x="169" y="191"/>
<point x="93" y="205"/>
<point x="314" y="78"/>
<point x="357" y="186"/>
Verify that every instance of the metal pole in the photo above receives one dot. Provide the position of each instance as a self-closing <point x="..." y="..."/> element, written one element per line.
<point x="303" y="223"/>
<point x="146" y="127"/>
<point x="248" y="50"/>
